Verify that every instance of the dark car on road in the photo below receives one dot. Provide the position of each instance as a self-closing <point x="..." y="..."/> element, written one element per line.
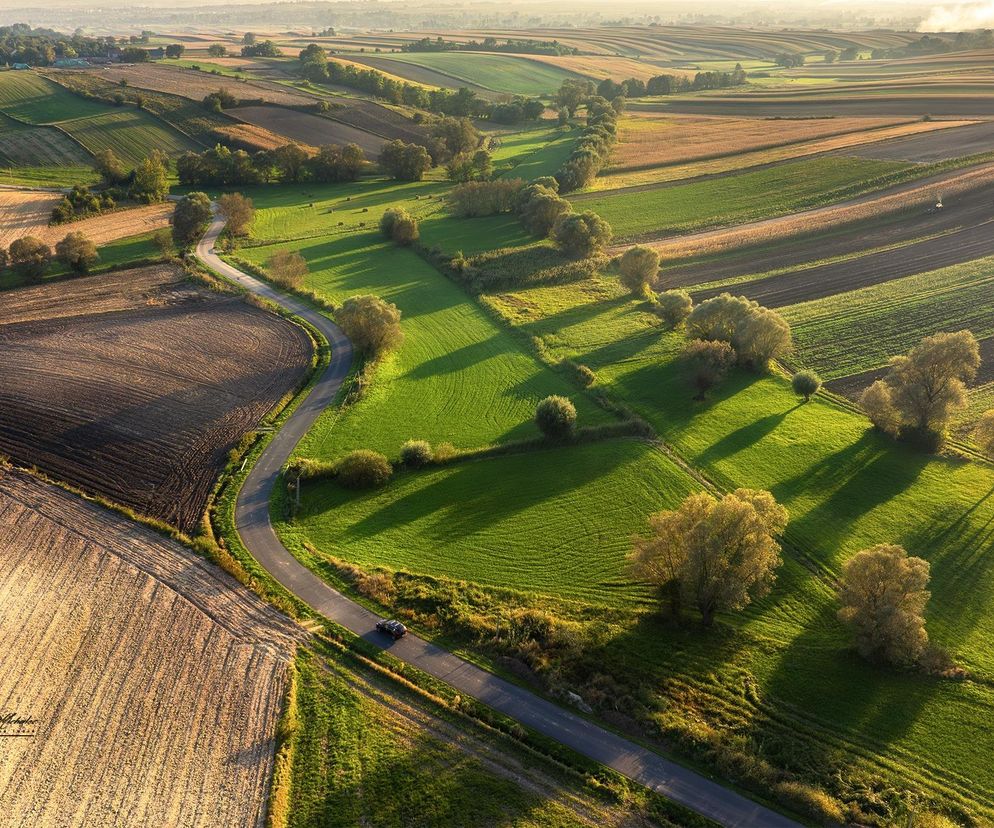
<point x="392" y="628"/>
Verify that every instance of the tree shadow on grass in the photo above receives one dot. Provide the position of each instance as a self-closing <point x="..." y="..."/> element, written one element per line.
<point x="742" y="438"/>
<point x="467" y="498"/>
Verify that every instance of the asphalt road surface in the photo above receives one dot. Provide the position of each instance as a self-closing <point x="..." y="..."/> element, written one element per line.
<point x="674" y="781"/>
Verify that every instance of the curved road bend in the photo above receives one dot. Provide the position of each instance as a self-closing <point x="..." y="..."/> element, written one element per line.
<point x="252" y="520"/>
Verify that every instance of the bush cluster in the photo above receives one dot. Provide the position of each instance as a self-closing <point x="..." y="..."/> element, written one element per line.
<point x="363" y="469"/>
<point x="555" y="417"/>
<point x="399" y="226"/>
<point x="484" y="198"/>
<point x="372" y="324"/>
<point x="81" y="203"/>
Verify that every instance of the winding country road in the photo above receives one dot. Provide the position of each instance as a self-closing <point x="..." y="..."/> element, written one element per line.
<point x="674" y="781"/>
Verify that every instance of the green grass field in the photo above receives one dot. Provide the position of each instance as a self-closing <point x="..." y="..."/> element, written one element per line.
<point x="846" y="488"/>
<point x="130" y="133"/>
<point x="457" y="377"/>
<point x="887" y="319"/>
<point x="739" y="198"/>
<point x="500" y="73"/>
<point x="552" y="522"/>
<point x="36" y="100"/>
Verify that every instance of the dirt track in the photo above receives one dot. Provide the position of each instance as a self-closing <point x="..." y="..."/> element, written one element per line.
<point x="154" y="680"/>
<point x="136" y="384"/>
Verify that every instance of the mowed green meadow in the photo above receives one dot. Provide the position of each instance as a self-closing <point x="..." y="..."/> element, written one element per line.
<point x="29" y="97"/>
<point x="130" y="133"/>
<point x="556" y="522"/>
<point x="456" y="378"/>
<point x="732" y="199"/>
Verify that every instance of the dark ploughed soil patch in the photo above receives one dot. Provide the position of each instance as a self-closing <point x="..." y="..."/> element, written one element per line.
<point x="136" y="384"/>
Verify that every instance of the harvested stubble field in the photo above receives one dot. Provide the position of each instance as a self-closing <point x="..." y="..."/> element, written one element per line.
<point x="136" y="384"/>
<point x="305" y="128"/>
<point x="835" y="104"/>
<point x="120" y="224"/>
<point x="966" y="140"/>
<point x="193" y="84"/>
<point x="250" y="137"/>
<point x="848" y="144"/>
<point x="156" y="680"/>
<point x="649" y="139"/>
<point x="24" y="213"/>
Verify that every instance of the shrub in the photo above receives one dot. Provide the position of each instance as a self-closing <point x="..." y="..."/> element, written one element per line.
<point x="399" y="226"/>
<point x="30" y="255"/>
<point x="811" y="802"/>
<point x="805" y="383"/>
<point x="540" y="208"/>
<point x="674" y="306"/>
<point x="416" y="454"/>
<point x="709" y="361"/>
<point x="757" y="334"/>
<point x="363" y="469"/>
<point x="556" y="417"/>
<point x="581" y="234"/>
<point x="287" y="268"/>
<point x="639" y="269"/>
<point x="372" y="324"/>
<point x="77" y="252"/>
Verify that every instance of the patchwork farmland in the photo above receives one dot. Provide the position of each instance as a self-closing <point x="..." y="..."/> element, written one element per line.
<point x="588" y="480"/>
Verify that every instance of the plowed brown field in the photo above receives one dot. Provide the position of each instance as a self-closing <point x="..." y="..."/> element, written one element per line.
<point x="136" y="384"/>
<point x="154" y="681"/>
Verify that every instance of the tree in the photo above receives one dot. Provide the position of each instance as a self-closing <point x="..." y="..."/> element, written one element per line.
<point x="151" y="182"/>
<point x="883" y="596"/>
<point x="722" y="553"/>
<point x="709" y="361"/>
<point x="335" y="163"/>
<point x="540" y="209"/>
<point x="477" y="167"/>
<point x="238" y="212"/>
<point x="639" y="268"/>
<point x="190" y="219"/>
<point x="877" y="403"/>
<point x="761" y="336"/>
<point x="290" y="161"/>
<point x="372" y="324"/>
<point x="30" y="255"/>
<point x="405" y="162"/>
<point x="175" y="50"/>
<point x="4" y="258"/>
<point x="581" y="234"/>
<point x="805" y="383"/>
<point x="484" y="198"/>
<point x="110" y="167"/>
<point x="928" y="384"/>
<point x="287" y="268"/>
<point x="77" y="252"/>
<point x="674" y="306"/>
<point x="248" y="39"/>
<point x="983" y="432"/>
<point x="572" y="93"/>
<point x="363" y="469"/>
<point x="399" y="226"/>
<point x="451" y="137"/>
<point x="555" y="417"/>
<point x="217" y="50"/>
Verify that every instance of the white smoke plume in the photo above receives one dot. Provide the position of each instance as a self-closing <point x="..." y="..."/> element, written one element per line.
<point x="963" y="17"/>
